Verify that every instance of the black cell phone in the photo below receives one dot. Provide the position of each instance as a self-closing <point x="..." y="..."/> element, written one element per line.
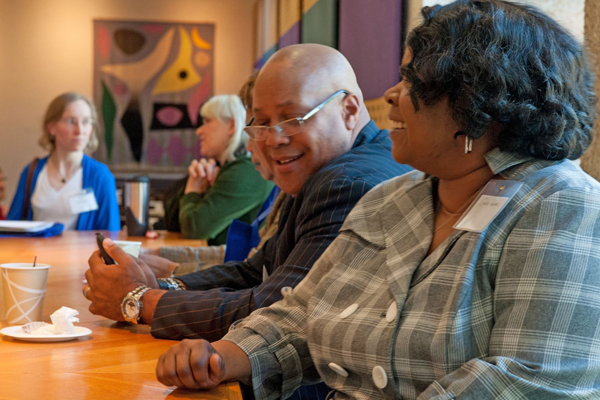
<point x="107" y="259"/>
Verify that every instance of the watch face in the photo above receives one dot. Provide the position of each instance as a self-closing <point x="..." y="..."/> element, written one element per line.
<point x="130" y="309"/>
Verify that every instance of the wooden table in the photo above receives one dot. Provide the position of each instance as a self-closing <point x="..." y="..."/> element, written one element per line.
<point x="116" y="362"/>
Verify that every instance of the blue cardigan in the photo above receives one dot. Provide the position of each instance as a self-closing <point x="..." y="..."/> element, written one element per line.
<point x="96" y="176"/>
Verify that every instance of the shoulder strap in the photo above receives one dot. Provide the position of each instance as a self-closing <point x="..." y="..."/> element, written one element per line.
<point x="27" y="199"/>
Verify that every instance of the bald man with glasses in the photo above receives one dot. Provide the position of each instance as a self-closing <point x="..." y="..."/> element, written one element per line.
<point x="313" y="130"/>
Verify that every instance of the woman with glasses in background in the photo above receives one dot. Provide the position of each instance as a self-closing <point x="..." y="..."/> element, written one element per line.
<point x="68" y="186"/>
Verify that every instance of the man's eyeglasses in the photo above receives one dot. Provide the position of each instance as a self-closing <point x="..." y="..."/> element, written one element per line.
<point x="288" y="127"/>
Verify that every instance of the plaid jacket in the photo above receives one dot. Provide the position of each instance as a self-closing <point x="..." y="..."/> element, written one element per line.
<point x="509" y="313"/>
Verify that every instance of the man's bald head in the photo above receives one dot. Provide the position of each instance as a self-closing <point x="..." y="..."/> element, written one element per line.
<point x="315" y="67"/>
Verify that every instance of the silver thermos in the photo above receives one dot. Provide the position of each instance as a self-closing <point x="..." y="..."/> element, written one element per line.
<point x="136" y="196"/>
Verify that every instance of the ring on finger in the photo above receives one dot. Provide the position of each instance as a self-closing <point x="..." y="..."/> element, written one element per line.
<point x="85" y="292"/>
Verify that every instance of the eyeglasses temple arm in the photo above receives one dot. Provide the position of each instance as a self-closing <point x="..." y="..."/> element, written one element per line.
<point x="323" y="104"/>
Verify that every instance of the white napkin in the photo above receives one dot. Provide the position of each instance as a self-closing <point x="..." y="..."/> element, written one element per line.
<point x="63" y="319"/>
<point x="62" y="323"/>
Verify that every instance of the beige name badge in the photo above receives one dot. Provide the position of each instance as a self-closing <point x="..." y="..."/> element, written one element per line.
<point x="83" y="202"/>
<point x="492" y="199"/>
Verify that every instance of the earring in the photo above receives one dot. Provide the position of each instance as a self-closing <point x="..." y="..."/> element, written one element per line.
<point x="468" y="144"/>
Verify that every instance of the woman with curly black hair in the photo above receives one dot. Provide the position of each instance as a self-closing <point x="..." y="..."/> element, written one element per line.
<point x="477" y="278"/>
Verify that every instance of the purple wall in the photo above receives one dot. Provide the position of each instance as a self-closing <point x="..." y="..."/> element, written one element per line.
<point x="369" y="36"/>
<point x="290" y="37"/>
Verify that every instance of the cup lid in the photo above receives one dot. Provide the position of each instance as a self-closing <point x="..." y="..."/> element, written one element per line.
<point x="138" y="178"/>
<point x="24" y="266"/>
<point x="131" y="242"/>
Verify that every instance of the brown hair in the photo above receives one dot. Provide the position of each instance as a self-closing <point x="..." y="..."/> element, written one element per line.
<point x="247" y="90"/>
<point x="55" y="111"/>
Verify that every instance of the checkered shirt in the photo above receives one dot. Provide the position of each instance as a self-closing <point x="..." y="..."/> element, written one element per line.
<point x="509" y="313"/>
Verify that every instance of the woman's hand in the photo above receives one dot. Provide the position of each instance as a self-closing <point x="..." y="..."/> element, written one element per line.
<point x="160" y="266"/>
<point x="198" y="364"/>
<point x="150" y="252"/>
<point x="203" y="174"/>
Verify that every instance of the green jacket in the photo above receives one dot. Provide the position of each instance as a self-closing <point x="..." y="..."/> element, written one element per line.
<point x="238" y="192"/>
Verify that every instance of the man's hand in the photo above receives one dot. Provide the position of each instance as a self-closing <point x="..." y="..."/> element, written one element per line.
<point x="191" y="364"/>
<point x="203" y="174"/>
<point x="109" y="284"/>
<point x="160" y="266"/>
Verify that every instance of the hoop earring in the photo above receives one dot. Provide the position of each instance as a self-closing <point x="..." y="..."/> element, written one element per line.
<point x="468" y="144"/>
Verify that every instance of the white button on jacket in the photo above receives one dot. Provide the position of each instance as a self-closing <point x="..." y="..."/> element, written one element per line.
<point x="379" y="377"/>
<point x="286" y="290"/>
<point x="349" y="311"/>
<point x="338" y="370"/>
<point x="392" y="311"/>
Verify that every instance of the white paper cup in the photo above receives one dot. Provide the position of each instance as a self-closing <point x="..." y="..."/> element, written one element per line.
<point x="132" y="248"/>
<point x="24" y="289"/>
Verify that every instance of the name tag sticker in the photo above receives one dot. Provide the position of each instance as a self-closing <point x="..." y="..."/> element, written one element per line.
<point x="83" y="202"/>
<point x="492" y="199"/>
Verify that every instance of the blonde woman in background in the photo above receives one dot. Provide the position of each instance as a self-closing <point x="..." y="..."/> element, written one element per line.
<point x="180" y="260"/>
<point x="68" y="186"/>
<point x="223" y="185"/>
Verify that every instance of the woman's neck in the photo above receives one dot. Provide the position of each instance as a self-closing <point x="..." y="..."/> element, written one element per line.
<point x="63" y="166"/>
<point x="66" y="159"/>
<point x="454" y="193"/>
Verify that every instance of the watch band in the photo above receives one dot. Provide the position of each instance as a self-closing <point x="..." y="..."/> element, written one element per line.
<point x="138" y="291"/>
<point x="171" y="284"/>
<point x="136" y="295"/>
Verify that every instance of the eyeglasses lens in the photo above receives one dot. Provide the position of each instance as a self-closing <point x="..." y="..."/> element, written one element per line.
<point x="285" y="128"/>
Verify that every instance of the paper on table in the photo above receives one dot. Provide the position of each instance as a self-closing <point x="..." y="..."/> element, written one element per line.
<point x="63" y="319"/>
<point x="24" y="226"/>
<point x="62" y="322"/>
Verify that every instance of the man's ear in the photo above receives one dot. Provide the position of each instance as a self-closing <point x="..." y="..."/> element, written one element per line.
<point x="351" y="110"/>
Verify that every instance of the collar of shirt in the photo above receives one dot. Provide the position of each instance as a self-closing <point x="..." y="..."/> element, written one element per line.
<point x="513" y="166"/>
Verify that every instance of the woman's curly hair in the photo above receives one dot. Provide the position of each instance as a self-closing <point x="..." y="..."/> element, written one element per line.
<point x="507" y="63"/>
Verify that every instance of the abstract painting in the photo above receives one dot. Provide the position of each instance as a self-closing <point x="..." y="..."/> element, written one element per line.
<point x="150" y="80"/>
